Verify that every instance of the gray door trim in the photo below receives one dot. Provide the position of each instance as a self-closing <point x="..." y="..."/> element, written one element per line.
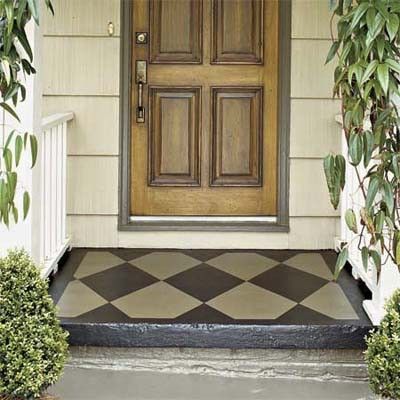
<point x="124" y="218"/>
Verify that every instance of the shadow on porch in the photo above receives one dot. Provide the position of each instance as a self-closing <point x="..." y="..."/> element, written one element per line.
<point x="209" y="298"/>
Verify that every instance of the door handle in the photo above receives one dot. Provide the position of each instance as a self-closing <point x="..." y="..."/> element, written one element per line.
<point x="141" y="80"/>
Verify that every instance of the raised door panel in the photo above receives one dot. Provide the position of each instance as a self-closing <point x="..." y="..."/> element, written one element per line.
<point x="236" y="136"/>
<point x="237" y="32"/>
<point x="176" y="31"/>
<point x="174" y="136"/>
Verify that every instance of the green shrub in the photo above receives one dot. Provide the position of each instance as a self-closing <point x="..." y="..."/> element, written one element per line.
<point x="383" y="353"/>
<point x="33" y="347"/>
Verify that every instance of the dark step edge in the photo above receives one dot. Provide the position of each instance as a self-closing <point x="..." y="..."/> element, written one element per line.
<point x="217" y="335"/>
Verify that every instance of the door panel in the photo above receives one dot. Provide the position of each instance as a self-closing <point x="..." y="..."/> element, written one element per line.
<point x="175" y="31"/>
<point x="174" y="129"/>
<point x="208" y="145"/>
<point x="236" y="136"/>
<point x="237" y="31"/>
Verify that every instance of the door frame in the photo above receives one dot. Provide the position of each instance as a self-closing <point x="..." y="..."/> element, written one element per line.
<point x="233" y="224"/>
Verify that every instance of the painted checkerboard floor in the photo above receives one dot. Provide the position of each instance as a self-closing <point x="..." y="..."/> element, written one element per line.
<point x="206" y="286"/>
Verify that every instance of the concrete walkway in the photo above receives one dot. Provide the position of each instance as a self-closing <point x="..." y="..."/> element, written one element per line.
<point x="100" y="384"/>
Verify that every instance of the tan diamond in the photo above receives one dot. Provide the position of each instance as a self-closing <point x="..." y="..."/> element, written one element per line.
<point x="331" y="301"/>
<point x="162" y="265"/>
<point x="78" y="299"/>
<point x="243" y="265"/>
<point x="159" y="300"/>
<point x="96" y="261"/>
<point x="248" y="301"/>
<point x="313" y="263"/>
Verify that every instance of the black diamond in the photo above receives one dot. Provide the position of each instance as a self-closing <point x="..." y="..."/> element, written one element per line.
<point x="130" y="254"/>
<point x="104" y="314"/>
<point x="204" y="282"/>
<point x="118" y="281"/>
<point x="289" y="282"/>
<point x="301" y="315"/>
<point x="204" y="314"/>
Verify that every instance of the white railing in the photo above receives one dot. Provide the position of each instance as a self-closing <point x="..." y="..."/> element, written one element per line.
<point x="390" y="277"/>
<point x="54" y="241"/>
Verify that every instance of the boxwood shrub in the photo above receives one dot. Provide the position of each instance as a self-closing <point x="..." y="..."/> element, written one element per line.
<point x="33" y="346"/>
<point x="383" y="353"/>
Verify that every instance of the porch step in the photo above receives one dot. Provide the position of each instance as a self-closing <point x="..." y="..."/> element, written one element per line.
<point x="321" y="365"/>
<point x="238" y="299"/>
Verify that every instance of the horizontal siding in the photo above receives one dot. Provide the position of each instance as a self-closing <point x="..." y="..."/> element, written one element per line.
<point x="92" y="185"/>
<point x="82" y="17"/>
<point x="81" y="66"/>
<point x="308" y="190"/>
<point x="311" y="78"/>
<point x="313" y="130"/>
<point x="87" y="133"/>
<point x="93" y="231"/>
<point x="311" y="19"/>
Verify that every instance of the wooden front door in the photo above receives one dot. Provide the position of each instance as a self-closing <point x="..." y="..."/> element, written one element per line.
<point x="204" y="116"/>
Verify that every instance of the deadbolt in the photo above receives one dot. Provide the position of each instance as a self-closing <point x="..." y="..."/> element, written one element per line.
<point x="141" y="37"/>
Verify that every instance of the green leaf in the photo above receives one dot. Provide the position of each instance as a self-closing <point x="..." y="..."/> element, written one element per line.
<point x="34" y="149"/>
<point x="376" y="258"/>
<point x="332" y="51"/>
<point x="26" y="204"/>
<point x="355" y="148"/>
<point x="8" y="108"/>
<point x="7" y="156"/>
<point x="34" y="9"/>
<point x="380" y="46"/>
<point x="373" y="187"/>
<point x="332" y="180"/>
<point x="396" y="165"/>
<point x="340" y="165"/>
<point x="388" y="195"/>
<point x="18" y="149"/>
<point x="369" y="142"/>
<point x="371" y="14"/>
<point x="392" y="26"/>
<point x="365" y="257"/>
<point x="383" y="76"/>
<point x="341" y="261"/>
<point x="15" y="214"/>
<point x="359" y="13"/>
<point x="379" y="221"/>
<point x="369" y="70"/>
<point x="351" y="221"/>
<point x="393" y="65"/>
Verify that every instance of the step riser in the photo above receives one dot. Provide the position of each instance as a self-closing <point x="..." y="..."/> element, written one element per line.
<point x="322" y="365"/>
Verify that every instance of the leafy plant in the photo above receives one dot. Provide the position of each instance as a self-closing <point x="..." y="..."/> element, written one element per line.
<point x="366" y="81"/>
<point x="33" y="347"/>
<point x="16" y="58"/>
<point x="383" y="352"/>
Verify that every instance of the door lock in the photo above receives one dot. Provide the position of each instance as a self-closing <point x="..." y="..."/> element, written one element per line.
<point x="141" y="80"/>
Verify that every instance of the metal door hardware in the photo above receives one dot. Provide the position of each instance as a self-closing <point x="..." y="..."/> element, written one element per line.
<point x="141" y="80"/>
<point x="141" y="37"/>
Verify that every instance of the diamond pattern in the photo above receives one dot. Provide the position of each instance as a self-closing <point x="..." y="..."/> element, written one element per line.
<point x="249" y="301"/>
<point x="204" y="282"/>
<point x="119" y="281"/>
<point x="156" y="301"/>
<point x="205" y="286"/>
<point x="96" y="261"/>
<point x="162" y="265"/>
<point x="289" y="282"/>
<point x="243" y="265"/>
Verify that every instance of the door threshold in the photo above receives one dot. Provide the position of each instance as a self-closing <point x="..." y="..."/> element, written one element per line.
<point x="208" y="223"/>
